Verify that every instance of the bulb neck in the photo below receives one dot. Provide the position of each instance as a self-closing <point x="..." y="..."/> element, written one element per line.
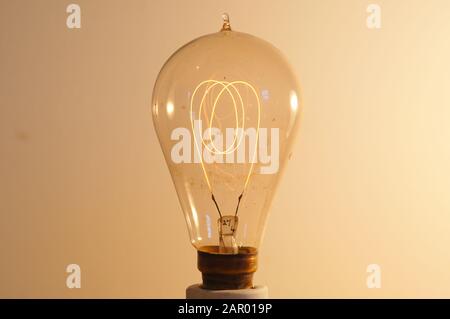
<point x="227" y="271"/>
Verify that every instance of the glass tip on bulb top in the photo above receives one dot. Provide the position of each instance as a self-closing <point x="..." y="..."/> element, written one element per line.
<point x="226" y="22"/>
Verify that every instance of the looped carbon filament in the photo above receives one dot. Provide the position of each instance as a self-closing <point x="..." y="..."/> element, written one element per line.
<point x="232" y="89"/>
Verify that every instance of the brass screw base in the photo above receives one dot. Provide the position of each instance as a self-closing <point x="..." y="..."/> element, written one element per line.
<point x="227" y="271"/>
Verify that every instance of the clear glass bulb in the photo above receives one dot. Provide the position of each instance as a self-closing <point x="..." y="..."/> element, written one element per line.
<point x="226" y="109"/>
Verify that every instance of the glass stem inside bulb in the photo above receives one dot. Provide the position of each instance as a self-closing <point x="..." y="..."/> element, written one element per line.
<point x="227" y="234"/>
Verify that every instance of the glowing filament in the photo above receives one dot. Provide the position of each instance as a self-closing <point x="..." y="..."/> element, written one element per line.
<point x="231" y="89"/>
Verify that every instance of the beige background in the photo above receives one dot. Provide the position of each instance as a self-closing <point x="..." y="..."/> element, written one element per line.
<point x="82" y="178"/>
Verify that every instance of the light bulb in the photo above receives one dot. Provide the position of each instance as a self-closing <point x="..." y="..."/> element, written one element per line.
<point x="226" y="108"/>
